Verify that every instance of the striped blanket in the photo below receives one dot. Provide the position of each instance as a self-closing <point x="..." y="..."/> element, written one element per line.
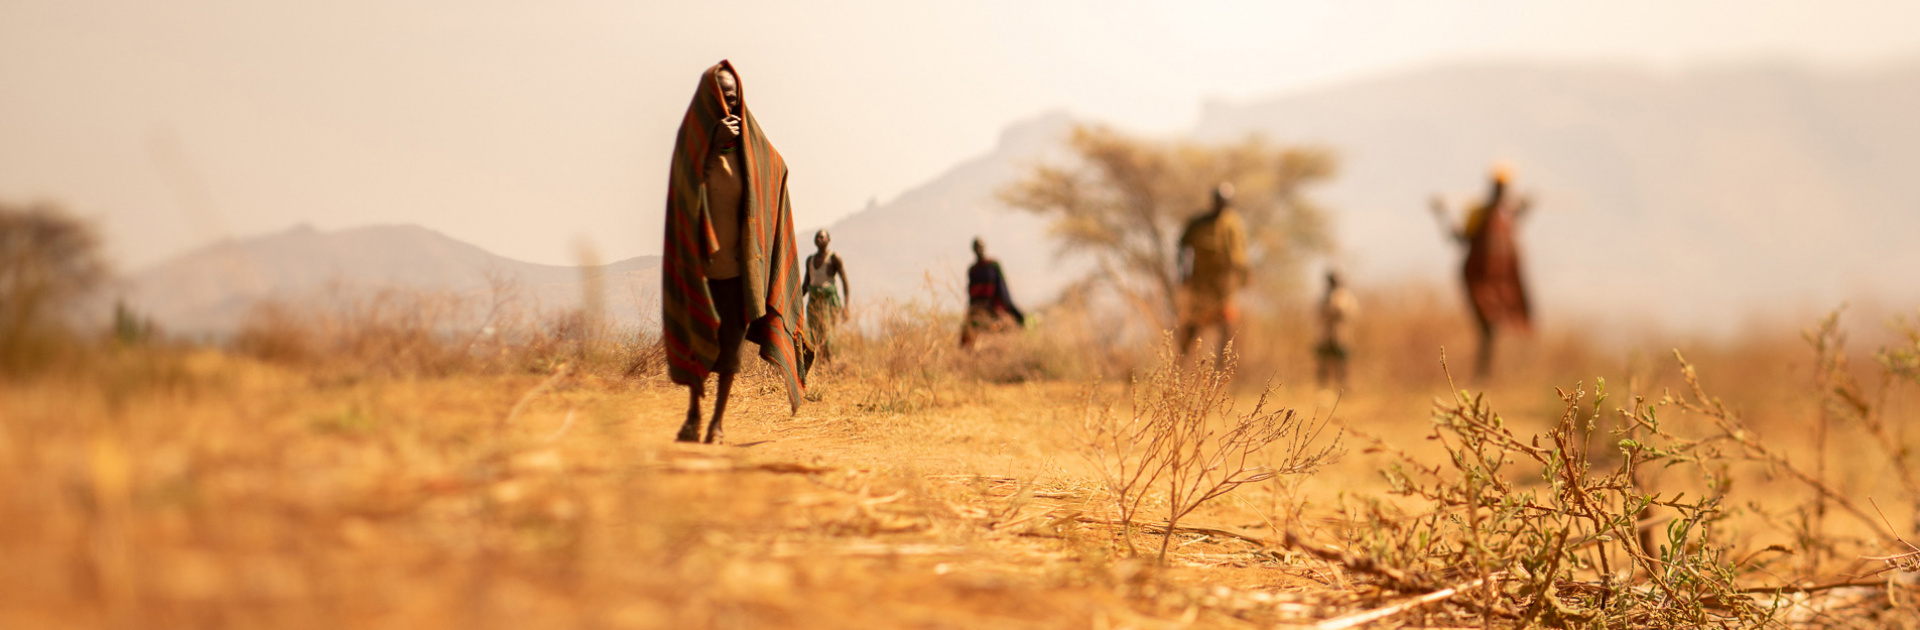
<point x="692" y="325"/>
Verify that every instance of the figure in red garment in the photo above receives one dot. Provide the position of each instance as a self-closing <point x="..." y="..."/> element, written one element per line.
<point x="1491" y="272"/>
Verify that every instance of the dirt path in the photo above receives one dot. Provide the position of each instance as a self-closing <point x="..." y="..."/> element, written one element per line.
<point x="238" y="494"/>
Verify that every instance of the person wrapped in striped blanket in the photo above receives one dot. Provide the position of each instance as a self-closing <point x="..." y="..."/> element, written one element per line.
<point x="728" y="271"/>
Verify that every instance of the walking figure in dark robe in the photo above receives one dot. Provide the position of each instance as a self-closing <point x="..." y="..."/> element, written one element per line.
<point x="728" y="271"/>
<point x="990" y="306"/>
<point x="1492" y="269"/>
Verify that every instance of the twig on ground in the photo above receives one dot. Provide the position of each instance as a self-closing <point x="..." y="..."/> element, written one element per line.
<point x="1790" y="588"/>
<point x="563" y="427"/>
<point x="1161" y="528"/>
<point x="559" y="372"/>
<point x="1354" y="563"/>
<point x="1376" y="614"/>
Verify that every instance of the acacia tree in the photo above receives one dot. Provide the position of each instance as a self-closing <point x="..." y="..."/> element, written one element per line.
<point x="49" y="261"/>
<point x="1122" y="202"/>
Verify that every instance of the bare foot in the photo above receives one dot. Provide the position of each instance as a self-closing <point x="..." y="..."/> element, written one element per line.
<point x="690" y="432"/>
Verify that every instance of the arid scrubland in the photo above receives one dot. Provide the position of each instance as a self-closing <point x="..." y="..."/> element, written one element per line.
<point x="370" y="465"/>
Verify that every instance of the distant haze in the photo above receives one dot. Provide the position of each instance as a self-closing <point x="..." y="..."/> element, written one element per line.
<point x="524" y="127"/>
<point x="1696" y="201"/>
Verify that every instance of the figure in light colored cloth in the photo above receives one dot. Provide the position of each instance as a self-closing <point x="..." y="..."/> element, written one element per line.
<point x="1492" y="268"/>
<point x="826" y="305"/>
<point x="1213" y="269"/>
<point x="990" y="306"/>
<point x="1337" y="310"/>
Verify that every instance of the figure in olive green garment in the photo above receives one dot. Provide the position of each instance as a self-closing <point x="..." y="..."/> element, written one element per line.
<point x="826" y="304"/>
<point x="1337" y="310"/>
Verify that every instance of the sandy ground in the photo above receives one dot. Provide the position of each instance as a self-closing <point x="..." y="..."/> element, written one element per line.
<point x="211" y="491"/>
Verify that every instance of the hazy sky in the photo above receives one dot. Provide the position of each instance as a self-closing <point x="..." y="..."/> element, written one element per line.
<point x="527" y="127"/>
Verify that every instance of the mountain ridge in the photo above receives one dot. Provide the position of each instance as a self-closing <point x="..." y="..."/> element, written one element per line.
<point x="210" y="290"/>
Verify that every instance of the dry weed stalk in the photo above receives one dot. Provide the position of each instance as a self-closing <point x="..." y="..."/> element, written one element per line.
<point x="1903" y="361"/>
<point x="1184" y="444"/>
<point x="905" y="356"/>
<point x="1752" y="449"/>
<point x="1907" y="562"/>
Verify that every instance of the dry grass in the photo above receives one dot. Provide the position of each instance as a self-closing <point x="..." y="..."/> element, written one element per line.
<point x="1182" y="444"/>
<point x="408" y="333"/>
<point x="390" y="476"/>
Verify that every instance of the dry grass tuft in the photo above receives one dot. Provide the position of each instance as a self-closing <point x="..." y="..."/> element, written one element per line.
<point x="1183" y="445"/>
<point x="407" y="333"/>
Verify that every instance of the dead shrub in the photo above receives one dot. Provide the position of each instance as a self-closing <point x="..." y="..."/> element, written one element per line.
<point x="1183" y="445"/>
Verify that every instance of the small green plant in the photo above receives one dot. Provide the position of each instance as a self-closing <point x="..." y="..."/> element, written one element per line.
<point x="1582" y="546"/>
<point x="1904" y="360"/>
<point x="1576" y="548"/>
<point x="129" y="327"/>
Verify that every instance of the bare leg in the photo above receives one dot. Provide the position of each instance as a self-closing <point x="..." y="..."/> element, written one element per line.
<point x="714" y="434"/>
<point x="1188" y="334"/>
<point x="826" y="344"/>
<point x="690" y="432"/>
<point x="1483" y="365"/>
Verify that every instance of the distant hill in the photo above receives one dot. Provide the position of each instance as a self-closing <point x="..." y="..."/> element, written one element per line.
<point x="1690" y="200"/>
<point x="892" y="249"/>
<point x="209" y="291"/>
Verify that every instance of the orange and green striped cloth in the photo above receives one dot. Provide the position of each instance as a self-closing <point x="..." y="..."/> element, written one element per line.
<point x="690" y="321"/>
